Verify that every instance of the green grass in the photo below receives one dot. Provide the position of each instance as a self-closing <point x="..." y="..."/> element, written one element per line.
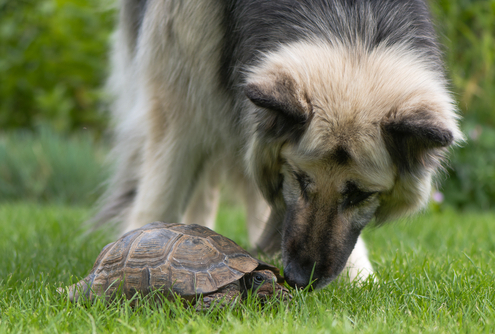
<point x="435" y="275"/>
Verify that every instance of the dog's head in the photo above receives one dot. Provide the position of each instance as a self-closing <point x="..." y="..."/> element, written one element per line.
<point x="343" y="137"/>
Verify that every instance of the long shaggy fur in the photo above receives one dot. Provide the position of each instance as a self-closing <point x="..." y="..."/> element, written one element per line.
<point x="324" y="114"/>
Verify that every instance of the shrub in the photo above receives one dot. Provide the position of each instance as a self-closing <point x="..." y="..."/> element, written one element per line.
<point x="467" y="29"/>
<point x="53" y="61"/>
<point x="49" y="167"/>
<point x="472" y="174"/>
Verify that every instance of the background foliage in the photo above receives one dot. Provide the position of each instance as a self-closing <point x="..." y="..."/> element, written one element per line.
<point x="467" y="29"/>
<point x="53" y="65"/>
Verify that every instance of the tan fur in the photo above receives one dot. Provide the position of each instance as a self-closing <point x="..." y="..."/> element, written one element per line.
<point x="351" y="93"/>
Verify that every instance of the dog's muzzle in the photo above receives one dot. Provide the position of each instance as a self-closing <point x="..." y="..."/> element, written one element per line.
<point x="297" y="276"/>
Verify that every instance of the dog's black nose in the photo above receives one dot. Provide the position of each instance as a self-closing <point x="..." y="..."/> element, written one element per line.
<point x="297" y="276"/>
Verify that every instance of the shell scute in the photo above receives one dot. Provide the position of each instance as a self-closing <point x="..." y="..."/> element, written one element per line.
<point x="99" y="285"/>
<point x="223" y="275"/>
<point x="151" y="248"/>
<point x="205" y="283"/>
<point x="194" y="254"/>
<point x="135" y="279"/>
<point x="183" y="282"/>
<point x="118" y="253"/>
<point x="161" y="277"/>
<point x="102" y="255"/>
<point x="242" y="262"/>
<point x="225" y="245"/>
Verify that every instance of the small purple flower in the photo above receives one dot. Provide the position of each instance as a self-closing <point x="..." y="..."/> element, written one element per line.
<point x="438" y="197"/>
<point x="475" y="133"/>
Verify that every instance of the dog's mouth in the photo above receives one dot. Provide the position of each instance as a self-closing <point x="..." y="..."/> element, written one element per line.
<point x="309" y="276"/>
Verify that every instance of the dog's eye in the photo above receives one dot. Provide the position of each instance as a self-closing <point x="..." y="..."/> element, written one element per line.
<point x="354" y="196"/>
<point x="358" y="197"/>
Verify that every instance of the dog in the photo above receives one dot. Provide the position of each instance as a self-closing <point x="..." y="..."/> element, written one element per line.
<point x="324" y="115"/>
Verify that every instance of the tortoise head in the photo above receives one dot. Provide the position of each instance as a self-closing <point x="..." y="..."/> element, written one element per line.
<point x="263" y="283"/>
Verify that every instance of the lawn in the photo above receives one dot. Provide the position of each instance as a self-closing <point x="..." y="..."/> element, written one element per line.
<point x="434" y="275"/>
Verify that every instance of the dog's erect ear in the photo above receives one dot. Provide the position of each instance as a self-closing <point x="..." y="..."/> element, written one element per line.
<point x="285" y="107"/>
<point x="416" y="139"/>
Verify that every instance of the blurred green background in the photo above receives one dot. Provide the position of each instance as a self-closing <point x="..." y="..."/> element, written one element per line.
<point x="53" y="109"/>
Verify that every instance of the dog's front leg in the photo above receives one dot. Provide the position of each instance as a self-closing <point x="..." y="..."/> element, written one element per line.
<point x="173" y="161"/>
<point x="358" y="265"/>
<point x="270" y="240"/>
<point x="203" y="206"/>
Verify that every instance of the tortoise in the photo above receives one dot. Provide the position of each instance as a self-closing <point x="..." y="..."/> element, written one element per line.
<point x="187" y="261"/>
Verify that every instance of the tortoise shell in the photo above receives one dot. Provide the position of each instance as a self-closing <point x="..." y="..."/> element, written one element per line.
<point x="185" y="259"/>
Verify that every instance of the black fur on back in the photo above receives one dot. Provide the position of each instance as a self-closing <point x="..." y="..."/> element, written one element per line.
<point x="256" y="26"/>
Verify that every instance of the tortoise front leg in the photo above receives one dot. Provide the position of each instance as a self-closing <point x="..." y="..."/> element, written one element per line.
<point x="226" y="296"/>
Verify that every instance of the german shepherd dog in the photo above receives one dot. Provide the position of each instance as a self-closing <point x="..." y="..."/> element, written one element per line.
<point x="323" y="114"/>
